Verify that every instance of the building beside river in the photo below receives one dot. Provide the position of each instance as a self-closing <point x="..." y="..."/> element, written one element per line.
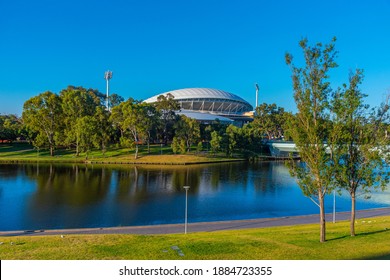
<point x="207" y="105"/>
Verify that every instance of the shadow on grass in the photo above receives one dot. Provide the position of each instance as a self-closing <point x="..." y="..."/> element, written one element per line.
<point x="378" y="257"/>
<point x="359" y="234"/>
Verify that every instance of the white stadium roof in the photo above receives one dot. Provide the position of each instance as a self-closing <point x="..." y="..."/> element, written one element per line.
<point x="209" y="100"/>
<point x="199" y="93"/>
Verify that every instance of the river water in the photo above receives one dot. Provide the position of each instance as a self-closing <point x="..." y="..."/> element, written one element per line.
<point x="57" y="196"/>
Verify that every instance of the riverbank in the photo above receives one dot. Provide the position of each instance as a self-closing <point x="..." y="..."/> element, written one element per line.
<point x="25" y="153"/>
<point x="298" y="242"/>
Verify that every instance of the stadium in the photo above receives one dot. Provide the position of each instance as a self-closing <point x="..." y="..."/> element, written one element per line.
<point x="207" y="105"/>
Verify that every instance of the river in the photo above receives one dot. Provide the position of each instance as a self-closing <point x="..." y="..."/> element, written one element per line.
<point x="59" y="196"/>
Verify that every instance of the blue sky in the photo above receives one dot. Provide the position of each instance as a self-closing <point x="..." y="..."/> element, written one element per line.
<point x="155" y="46"/>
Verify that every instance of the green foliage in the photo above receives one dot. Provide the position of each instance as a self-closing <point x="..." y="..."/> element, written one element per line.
<point x="309" y="128"/>
<point x="215" y="142"/>
<point x="103" y="129"/>
<point x="199" y="147"/>
<point x="188" y="130"/>
<point x="114" y="100"/>
<point x="269" y="121"/>
<point x="135" y="120"/>
<point x="125" y="142"/>
<point x="42" y="116"/>
<point x="10" y="127"/>
<point x="175" y="145"/>
<point x="85" y="128"/>
<point x="182" y="146"/>
<point x="167" y="105"/>
<point x="232" y="134"/>
<point x="77" y="102"/>
<point x="356" y="142"/>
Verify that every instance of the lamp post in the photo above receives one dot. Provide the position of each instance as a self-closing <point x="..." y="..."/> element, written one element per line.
<point x="334" y="206"/>
<point x="185" y="219"/>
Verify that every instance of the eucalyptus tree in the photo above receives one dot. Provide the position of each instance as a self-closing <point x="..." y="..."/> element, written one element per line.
<point x="359" y="144"/>
<point x="232" y="139"/>
<point x="308" y="128"/>
<point x="103" y="129"/>
<point x="269" y="120"/>
<point x="150" y="122"/>
<point x="117" y="118"/>
<point x="167" y="106"/>
<point x="10" y="127"/>
<point x="130" y="116"/>
<point x="215" y="142"/>
<point x="187" y="130"/>
<point x="42" y="116"/>
<point x="85" y="132"/>
<point x="114" y="100"/>
<point x="77" y="102"/>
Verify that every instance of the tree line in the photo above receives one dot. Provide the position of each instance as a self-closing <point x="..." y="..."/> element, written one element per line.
<point x="77" y="119"/>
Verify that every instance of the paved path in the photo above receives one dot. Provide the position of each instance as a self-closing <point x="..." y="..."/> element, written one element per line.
<point x="205" y="226"/>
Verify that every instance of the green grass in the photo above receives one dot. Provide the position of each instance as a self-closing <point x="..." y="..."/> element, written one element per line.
<point x="277" y="243"/>
<point x="23" y="152"/>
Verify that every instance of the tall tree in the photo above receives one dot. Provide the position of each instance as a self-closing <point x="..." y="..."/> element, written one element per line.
<point x="117" y="118"/>
<point x="77" y="102"/>
<point x="215" y="142"/>
<point x="85" y="132"/>
<point x="358" y="143"/>
<point x="42" y="114"/>
<point x="149" y="122"/>
<point x="167" y="106"/>
<point x="269" y="121"/>
<point x="308" y="128"/>
<point x="187" y="129"/>
<point x="103" y="129"/>
<point x="130" y="118"/>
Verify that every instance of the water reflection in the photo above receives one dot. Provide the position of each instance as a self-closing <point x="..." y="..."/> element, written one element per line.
<point x="34" y="196"/>
<point x="69" y="185"/>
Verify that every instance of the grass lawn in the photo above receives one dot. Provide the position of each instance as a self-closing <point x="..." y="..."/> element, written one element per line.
<point x="23" y="152"/>
<point x="277" y="243"/>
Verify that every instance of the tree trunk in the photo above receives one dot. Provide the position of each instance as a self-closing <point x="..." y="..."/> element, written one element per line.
<point x="148" y="141"/>
<point x="51" y="144"/>
<point x="103" y="148"/>
<point x="353" y="205"/>
<point x="322" y="218"/>
<point x="77" y="146"/>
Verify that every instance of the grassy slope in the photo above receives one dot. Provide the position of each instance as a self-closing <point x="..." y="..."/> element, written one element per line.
<point x="293" y="242"/>
<point x="25" y="152"/>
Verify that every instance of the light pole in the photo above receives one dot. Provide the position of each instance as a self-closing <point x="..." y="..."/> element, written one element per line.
<point x="334" y="206"/>
<point x="185" y="219"/>
<point x="107" y="77"/>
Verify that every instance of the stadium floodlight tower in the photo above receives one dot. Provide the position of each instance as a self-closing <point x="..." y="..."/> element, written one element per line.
<point x="107" y="77"/>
